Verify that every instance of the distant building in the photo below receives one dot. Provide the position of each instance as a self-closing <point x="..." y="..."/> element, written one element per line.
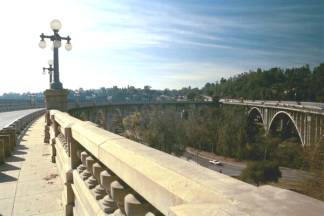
<point x="181" y="98"/>
<point x="163" y="98"/>
<point x="207" y="98"/>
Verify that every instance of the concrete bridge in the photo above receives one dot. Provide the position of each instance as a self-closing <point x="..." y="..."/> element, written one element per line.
<point x="102" y="173"/>
<point x="307" y="117"/>
<point x="110" y="115"/>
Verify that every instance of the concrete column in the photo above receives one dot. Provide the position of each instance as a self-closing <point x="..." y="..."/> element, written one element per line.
<point x="55" y="126"/>
<point x="47" y="118"/>
<point x="309" y="131"/>
<point x="6" y="144"/>
<point x="304" y="129"/>
<point x="72" y="149"/>
<point x="47" y="135"/>
<point x="11" y="132"/>
<point x="56" y="99"/>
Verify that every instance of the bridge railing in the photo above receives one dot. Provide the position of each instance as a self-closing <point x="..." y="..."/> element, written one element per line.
<point x="105" y="173"/>
<point x="11" y="105"/>
<point x="89" y="104"/>
<point x="11" y="133"/>
<point x="287" y="104"/>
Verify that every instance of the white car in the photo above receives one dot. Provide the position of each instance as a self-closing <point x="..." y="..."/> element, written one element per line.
<point x="216" y="162"/>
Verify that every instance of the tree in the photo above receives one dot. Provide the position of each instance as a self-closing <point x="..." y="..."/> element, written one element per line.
<point x="313" y="185"/>
<point x="261" y="172"/>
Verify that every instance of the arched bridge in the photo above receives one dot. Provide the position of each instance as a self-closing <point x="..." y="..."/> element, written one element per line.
<point x="307" y="117"/>
<point x="109" y="116"/>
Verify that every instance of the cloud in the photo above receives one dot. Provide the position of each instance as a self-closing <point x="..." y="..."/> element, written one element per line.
<point x="160" y="43"/>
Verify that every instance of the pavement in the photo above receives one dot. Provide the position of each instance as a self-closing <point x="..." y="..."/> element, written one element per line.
<point x="231" y="167"/>
<point x="7" y="118"/>
<point x="29" y="182"/>
<point x="226" y="168"/>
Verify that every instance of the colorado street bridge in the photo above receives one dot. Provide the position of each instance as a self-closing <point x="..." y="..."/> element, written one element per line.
<point x="307" y="117"/>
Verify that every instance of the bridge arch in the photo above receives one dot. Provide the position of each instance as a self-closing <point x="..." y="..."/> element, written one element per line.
<point x="291" y="119"/>
<point x="259" y="112"/>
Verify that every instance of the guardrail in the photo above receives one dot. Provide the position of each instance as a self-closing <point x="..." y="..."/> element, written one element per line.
<point x="10" y="134"/>
<point x="104" y="173"/>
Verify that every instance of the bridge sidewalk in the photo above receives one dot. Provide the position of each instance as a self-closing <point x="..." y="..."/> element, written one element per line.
<point x="29" y="182"/>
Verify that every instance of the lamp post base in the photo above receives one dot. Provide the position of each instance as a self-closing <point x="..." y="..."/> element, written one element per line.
<point x="56" y="86"/>
<point x="56" y="99"/>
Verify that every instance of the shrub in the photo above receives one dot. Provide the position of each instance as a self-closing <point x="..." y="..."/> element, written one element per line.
<point x="261" y="172"/>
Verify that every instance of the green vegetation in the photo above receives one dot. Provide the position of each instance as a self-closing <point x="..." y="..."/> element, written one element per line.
<point x="223" y="131"/>
<point x="296" y="84"/>
<point x="314" y="185"/>
<point x="261" y="172"/>
<point x="159" y="129"/>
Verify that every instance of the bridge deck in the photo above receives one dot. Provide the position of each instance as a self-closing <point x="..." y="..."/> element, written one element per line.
<point x="29" y="184"/>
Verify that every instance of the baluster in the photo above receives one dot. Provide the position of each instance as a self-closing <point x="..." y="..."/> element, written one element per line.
<point x="82" y="166"/>
<point x="107" y="202"/>
<point x="99" y="190"/>
<point x="135" y="206"/>
<point x="90" y="181"/>
<point x="47" y="134"/>
<point x="53" y="142"/>
<point x="88" y="164"/>
<point x="118" y="193"/>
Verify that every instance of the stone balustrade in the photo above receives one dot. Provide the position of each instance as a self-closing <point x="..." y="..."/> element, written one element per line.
<point x="7" y="106"/>
<point x="107" y="174"/>
<point x="10" y="134"/>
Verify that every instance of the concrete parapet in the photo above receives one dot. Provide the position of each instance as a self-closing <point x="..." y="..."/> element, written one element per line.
<point x="10" y="134"/>
<point x="136" y="178"/>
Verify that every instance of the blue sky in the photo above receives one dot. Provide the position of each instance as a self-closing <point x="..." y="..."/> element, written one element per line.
<point x="161" y="43"/>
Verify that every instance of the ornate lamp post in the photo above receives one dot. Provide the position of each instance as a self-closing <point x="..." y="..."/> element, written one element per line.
<point x="56" y="96"/>
<point x="50" y="70"/>
<point x="56" y="38"/>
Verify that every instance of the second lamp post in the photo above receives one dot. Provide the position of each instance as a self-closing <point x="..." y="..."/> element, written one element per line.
<point x="56" y="38"/>
<point x="50" y="70"/>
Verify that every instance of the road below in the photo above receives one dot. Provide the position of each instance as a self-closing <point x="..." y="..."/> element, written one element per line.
<point x="7" y="118"/>
<point x="235" y="169"/>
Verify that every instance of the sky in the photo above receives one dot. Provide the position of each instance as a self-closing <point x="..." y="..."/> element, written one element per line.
<point x="161" y="43"/>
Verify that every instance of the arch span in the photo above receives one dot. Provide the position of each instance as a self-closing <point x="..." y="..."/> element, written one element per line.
<point x="258" y="111"/>
<point x="291" y="119"/>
